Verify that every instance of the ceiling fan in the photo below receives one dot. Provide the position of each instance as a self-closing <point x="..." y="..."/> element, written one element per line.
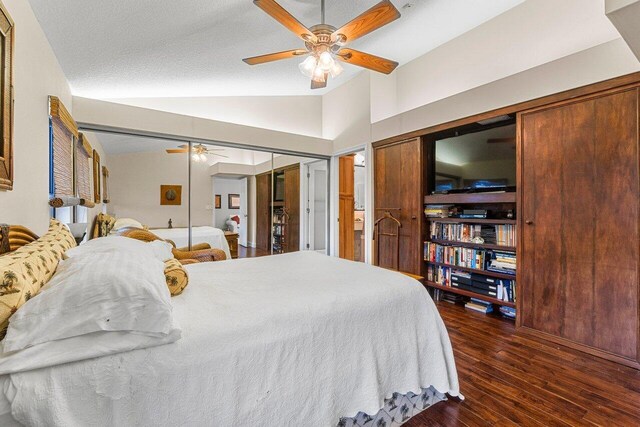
<point x="200" y="151"/>
<point x="324" y="43"/>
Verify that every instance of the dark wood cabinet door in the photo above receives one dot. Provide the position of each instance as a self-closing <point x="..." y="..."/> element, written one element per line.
<point x="579" y="215"/>
<point x="292" y="206"/>
<point x="346" y="224"/>
<point x="263" y="211"/>
<point x="398" y="189"/>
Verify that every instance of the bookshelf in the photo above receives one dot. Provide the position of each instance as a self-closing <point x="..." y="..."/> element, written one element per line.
<point x="473" y="257"/>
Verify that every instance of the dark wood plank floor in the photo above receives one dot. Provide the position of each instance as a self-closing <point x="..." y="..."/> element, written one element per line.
<point x="247" y="252"/>
<point x="510" y="379"/>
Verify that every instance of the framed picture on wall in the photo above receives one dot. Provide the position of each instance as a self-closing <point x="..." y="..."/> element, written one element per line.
<point x="6" y="99"/>
<point x="218" y="201"/>
<point x="234" y="201"/>
<point x="171" y="195"/>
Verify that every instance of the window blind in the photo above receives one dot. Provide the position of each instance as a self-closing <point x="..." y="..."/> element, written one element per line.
<point x="83" y="168"/>
<point x="63" y="132"/>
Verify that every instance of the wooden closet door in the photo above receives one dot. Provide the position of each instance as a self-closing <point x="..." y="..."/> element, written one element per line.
<point x="263" y="211"/>
<point x="292" y="206"/>
<point x="580" y="206"/>
<point x="346" y="207"/>
<point x="398" y="184"/>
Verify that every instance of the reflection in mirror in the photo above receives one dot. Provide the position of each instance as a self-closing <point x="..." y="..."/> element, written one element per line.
<point x="203" y="196"/>
<point x="148" y="187"/>
<point x="352" y="178"/>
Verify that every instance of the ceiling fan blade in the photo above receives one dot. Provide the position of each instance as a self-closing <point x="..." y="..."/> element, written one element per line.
<point x="177" y="150"/>
<point x="374" y="18"/>
<point x="320" y="85"/>
<point x="219" y="155"/>
<point x="183" y="146"/>
<point x="275" y="56"/>
<point x="366" y="60"/>
<point x="278" y="13"/>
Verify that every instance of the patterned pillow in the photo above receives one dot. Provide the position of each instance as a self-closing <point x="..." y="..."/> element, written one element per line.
<point x="24" y="271"/>
<point x="176" y="275"/>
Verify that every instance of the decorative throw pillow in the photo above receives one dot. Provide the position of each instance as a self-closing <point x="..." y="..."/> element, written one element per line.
<point x="176" y="275"/>
<point x="26" y="270"/>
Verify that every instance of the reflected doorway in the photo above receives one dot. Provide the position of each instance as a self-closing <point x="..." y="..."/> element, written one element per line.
<point x="351" y="219"/>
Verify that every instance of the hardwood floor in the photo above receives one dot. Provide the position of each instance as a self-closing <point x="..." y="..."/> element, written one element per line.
<point x="510" y="379"/>
<point x="247" y="252"/>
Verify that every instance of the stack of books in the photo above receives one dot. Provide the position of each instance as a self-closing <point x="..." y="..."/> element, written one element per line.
<point x="479" y="305"/>
<point x="505" y="235"/>
<point x="452" y="298"/>
<point x="455" y="232"/>
<point x="454" y="255"/>
<point x="437" y="211"/>
<point x="508" y="312"/>
<point x="502" y="262"/>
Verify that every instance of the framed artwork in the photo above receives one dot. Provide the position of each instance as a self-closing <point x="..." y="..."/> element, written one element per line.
<point x="171" y="195"/>
<point x="218" y="201"/>
<point x="234" y="201"/>
<point x="97" y="178"/>
<point x="6" y="99"/>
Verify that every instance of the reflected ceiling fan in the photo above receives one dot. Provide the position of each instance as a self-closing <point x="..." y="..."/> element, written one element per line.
<point x="200" y="151"/>
<point x="324" y="44"/>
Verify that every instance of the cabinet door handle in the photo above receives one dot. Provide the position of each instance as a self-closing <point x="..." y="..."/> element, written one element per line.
<point x="413" y="217"/>
<point x="529" y="222"/>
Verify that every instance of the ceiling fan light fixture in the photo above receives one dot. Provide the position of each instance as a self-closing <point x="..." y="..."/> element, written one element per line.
<point x="336" y="69"/>
<point x="308" y="66"/>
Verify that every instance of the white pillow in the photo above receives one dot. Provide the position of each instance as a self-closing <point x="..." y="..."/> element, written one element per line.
<point x="92" y="293"/>
<point x="119" y="244"/>
<point x="124" y="223"/>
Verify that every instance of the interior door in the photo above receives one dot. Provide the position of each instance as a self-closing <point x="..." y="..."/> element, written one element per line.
<point x="317" y="206"/>
<point x="244" y="216"/>
<point x="346" y="206"/>
<point x="263" y="211"/>
<point x="398" y="190"/>
<point x="580" y="207"/>
<point x="292" y="207"/>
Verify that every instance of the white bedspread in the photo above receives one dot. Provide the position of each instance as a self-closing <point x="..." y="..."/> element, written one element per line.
<point x="258" y="334"/>
<point x="205" y="234"/>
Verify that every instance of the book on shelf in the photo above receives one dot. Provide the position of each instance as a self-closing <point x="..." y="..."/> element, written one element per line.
<point x="508" y="312"/>
<point x="502" y="262"/>
<point x="481" y="307"/>
<point x="437" y="211"/>
<point x="498" y="234"/>
<point x="500" y="289"/>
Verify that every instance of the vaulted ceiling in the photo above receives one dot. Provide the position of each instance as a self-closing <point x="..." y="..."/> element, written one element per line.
<point x="151" y="48"/>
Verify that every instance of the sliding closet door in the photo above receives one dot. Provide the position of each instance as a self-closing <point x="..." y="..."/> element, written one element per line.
<point x="579" y="273"/>
<point x="398" y="192"/>
<point x="292" y="207"/>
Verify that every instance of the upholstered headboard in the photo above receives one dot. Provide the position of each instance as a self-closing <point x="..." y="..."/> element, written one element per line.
<point x="14" y="236"/>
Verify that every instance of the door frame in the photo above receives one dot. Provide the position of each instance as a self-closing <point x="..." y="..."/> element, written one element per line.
<point x="307" y="219"/>
<point x="368" y="199"/>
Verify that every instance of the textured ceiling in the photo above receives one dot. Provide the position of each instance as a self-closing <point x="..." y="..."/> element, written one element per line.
<point x="152" y="48"/>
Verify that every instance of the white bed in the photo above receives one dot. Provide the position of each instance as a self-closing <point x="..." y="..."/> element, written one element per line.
<point x="204" y="234"/>
<point x="295" y="339"/>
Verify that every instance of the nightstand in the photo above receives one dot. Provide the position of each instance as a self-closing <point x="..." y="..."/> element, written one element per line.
<point x="232" y="239"/>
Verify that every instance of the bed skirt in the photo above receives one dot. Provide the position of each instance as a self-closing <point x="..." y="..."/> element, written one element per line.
<point x="396" y="410"/>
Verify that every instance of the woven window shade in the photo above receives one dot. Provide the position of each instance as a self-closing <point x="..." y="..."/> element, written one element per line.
<point x="62" y="159"/>
<point x="84" y="163"/>
<point x="64" y="130"/>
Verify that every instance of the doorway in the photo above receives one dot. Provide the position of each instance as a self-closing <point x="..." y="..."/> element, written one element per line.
<point x="351" y="219"/>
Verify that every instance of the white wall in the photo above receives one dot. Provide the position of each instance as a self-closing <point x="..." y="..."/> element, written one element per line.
<point x="300" y="115"/>
<point x="37" y="75"/>
<point x="91" y="111"/>
<point x="224" y="187"/>
<point x="135" y="189"/>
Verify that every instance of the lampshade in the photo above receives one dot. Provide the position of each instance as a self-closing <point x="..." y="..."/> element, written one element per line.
<point x="308" y="66"/>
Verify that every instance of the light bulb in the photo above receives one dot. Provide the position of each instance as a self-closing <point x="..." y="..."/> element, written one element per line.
<point x="326" y="61"/>
<point x="203" y="157"/>
<point x="308" y="65"/>
<point x="335" y="69"/>
<point x="195" y="158"/>
<point x="318" y="75"/>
